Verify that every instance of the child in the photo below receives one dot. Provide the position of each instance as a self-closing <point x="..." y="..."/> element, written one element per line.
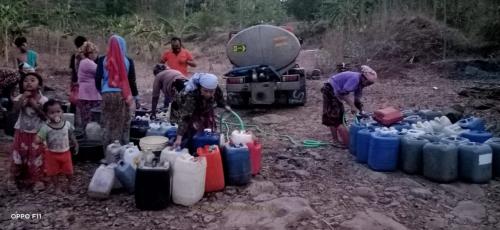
<point x="25" y="56"/>
<point x="27" y="159"/>
<point x="57" y="134"/>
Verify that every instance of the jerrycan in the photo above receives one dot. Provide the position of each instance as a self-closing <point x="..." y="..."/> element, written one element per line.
<point x="207" y="137"/>
<point x="241" y="137"/>
<point x="125" y="173"/>
<point x="411" y="154"/>
<point x="429" y="114"/>
<point x="402" y="125"/>
<point x="474" y="162"/>
<point x="388" y="116"/>
<point x="472" y="123"/>
<point x="362" y="144"/>
<point x="237" y="168"/>
<point x="413" y="119"/>
<point x="440" y="161"/>
<point x="152" y="186"/>
<point x="170" y="154"/>
<point x="93" y="131"/>
<point x="383" y="151"/>
<point x="214" y="180"/>
<point x="415" y="133"/>
<point x="453" y="130"/>
<point x="343" y="135"/>
<point x="102" y="182"/>
<point x="132" y="155"/>
<point x="433" y="136"/>
<point x="171" y="131"/>
<point x="477" y="135"/>
<point x="147" y="158"/>
<point x="189" y="179"/>
<point x="495" y="146"/>
<point x="156" y="129"/>
<point x="112" y="154"/>
<point x="354" y="128"/>
<point x="255" y="149"/>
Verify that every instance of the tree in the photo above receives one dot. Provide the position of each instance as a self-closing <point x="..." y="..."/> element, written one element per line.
<point x="12" y="23"/>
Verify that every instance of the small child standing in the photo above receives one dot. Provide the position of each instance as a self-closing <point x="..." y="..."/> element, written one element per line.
<point x="27" y="161"/>
<point x="57" y="135"/>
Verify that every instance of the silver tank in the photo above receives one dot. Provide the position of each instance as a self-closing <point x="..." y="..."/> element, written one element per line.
<point x="263" y="45"/>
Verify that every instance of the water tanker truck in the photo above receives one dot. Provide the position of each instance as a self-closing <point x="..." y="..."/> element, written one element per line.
<point x="264" y="68"/>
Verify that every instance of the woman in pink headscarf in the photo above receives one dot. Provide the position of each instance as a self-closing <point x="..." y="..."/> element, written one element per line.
<point x="347" y="87"/>
<point x="115" y="80"/>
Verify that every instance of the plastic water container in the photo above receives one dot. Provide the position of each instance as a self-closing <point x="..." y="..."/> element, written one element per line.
<point x="132" y="155"/>
<point x="354" y="128"/>
<point x="455" y="140"/>
<point x="237" y="166"/>
<point x="495" y="146"/>
<point x="214" y="180"/>
<point x="241" y="137"/>
<point x="472" y="123"/>
<point x="388" y="116"/>
<point x="453" y="130"/>
<point x="125" y="173"/>
<point x="414" y="133"/>
<point x="171" y="131"/>
<point x="93" y="131"/>
<point x="156" y="129"/>
<point x="411" y="154"/>
<point x="383" y="151"/>
<point x="170" y="154"/>
<point x="428" y="114"/>
<point x="255" y="149"/>
<point x="401" y="126"/>
<point x="424" y="126"/>
<point x="69" y="117"/>
<point x="440" y="161"/>
<point x="412" y="119"/>
<point x="188" y="179"/>
<point x="363" y="144"/>
<point x="343" y="135"/>
<point x="112" y="154"/>
<point x="475" y="162"/>
<point x="207" y="137"/>
<point x="477" y="135"/>
<point x="102" y="182"/>
<point x="152" y="186"/>
<point x="433" y="136"/>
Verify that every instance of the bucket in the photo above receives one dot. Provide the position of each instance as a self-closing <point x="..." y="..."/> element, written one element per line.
<point x="154" y="143"/>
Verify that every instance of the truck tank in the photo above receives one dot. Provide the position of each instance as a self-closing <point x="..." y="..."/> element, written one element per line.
<point x="276" y="47"/>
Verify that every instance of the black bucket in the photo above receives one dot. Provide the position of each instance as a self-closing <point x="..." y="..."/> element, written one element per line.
<point x="89" y="151"/>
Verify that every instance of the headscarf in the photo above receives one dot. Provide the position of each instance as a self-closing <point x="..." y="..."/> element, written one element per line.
<point x="87" y="48"/>
<point x="117" y="65"/>
<point x="205" y="80"/>
<point x="369" y="73"/>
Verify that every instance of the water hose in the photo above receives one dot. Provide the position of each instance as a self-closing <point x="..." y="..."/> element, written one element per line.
<point x="309" y="143"/>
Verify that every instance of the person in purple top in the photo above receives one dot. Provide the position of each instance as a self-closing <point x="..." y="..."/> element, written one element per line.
<point x="347" y="87"/>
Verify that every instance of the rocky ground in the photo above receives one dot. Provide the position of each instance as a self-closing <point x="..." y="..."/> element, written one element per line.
<point x="298" y="188"/>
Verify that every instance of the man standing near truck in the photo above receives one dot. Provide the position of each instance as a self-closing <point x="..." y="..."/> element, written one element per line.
<point x="178" y="58"/>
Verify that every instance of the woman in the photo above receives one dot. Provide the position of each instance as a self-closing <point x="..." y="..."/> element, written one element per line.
<point x="346" y="86"/>
<point x="167" y="81"/>
<point x="88" y="96"/>
<point x="115" y="79"/>
<point x="193" y="107"/>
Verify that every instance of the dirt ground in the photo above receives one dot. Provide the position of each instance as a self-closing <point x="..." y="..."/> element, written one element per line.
<point x="298" y="188"/>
